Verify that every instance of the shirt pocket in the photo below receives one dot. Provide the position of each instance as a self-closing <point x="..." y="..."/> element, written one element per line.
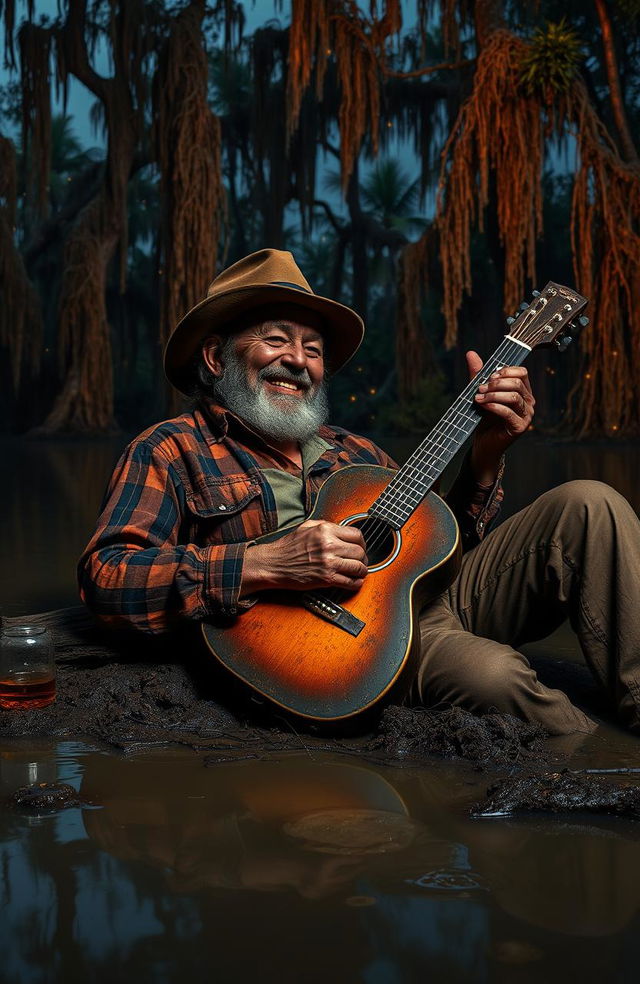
<point x="225" y="511"/>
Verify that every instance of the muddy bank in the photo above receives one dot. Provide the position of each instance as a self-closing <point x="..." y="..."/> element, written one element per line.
<point x="127" y="692"/>
<point x="561" y="792"/>
<point x="405" y="732"/>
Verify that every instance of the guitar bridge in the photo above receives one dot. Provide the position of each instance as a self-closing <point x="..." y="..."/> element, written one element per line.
<point x="331" y="612"/>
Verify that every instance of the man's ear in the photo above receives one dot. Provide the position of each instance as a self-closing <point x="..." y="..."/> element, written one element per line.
<point x="212" y="352"/>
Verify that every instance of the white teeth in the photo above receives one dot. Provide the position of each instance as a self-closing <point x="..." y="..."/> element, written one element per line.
<point x="278" y="382"/>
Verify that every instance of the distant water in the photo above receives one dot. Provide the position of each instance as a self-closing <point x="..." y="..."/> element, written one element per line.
<point x="51" y="494"/>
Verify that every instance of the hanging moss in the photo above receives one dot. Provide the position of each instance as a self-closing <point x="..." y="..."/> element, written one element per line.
<point x="85" y="402"/>
<point x="187" y="137"/>
<point x="35" y="55"/>
<point x="414" y="355"/>
<point x="606" y="254"/>
<point x="337" y="28"/>
<point x="499" y="131"/>
<point x="20" y="312"/>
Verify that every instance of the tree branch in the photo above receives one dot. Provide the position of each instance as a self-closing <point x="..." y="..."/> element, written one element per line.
<point x="428" y="70"/>
<point x="71" y="39"/>
<point x="83" y="190"/>
<point x="329" y="213"/>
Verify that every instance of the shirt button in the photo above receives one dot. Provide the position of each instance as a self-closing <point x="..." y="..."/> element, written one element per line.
<point x="480" y="525"/>
<point x="222" y="508"/>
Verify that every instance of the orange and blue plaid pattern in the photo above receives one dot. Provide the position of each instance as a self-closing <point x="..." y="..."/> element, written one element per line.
<point x="185" y="500"/>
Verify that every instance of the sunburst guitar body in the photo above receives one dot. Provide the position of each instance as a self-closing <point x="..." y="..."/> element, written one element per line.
<point x="290" y="648"/>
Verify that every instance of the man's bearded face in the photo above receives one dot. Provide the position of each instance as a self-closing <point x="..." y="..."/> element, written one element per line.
<point x="273" y="378"/>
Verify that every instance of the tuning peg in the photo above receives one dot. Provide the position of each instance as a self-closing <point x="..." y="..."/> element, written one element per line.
<point x="583" y="321"/>
<point x="564" y="343"/>
<point x="575" y="327"/>
<point x="524" y="305"/>
<point x="536" y="293"/>
<point x="510" y="321"/>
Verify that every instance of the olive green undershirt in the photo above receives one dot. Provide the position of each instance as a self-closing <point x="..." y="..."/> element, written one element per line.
<point x="288" y="489"/>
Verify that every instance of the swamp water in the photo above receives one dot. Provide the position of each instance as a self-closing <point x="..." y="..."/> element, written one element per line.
<point x="301" y="867"/>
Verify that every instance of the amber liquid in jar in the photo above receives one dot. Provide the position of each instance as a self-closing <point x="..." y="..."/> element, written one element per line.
<point x="27" y="689"/>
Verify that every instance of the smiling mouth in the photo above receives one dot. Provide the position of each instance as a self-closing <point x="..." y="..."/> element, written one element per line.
<point x="284" y="386"/>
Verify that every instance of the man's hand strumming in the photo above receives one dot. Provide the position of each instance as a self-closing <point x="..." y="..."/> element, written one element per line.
<point x="316" y="554"/>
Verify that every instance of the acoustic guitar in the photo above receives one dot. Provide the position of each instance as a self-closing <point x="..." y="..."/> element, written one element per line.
<point x="329" y="655"/>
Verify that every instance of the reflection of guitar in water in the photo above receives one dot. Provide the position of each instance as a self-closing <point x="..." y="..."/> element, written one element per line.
<point x="330" y="655"/>
<point x="309" y="826"/>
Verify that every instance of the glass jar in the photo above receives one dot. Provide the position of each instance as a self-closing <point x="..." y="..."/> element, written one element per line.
<point x="27" y="667"/>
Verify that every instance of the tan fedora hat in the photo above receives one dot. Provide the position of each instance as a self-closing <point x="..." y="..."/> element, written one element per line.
<point x="270" y="276"/>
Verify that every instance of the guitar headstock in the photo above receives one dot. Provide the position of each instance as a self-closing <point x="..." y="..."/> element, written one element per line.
<point x="552" y="316"/>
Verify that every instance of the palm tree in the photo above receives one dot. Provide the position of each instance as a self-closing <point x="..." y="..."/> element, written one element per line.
<point x="390" y="196"/>
<point x="68" y="159"/>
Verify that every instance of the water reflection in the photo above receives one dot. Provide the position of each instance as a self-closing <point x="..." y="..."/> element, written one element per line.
<point x="303" y="826"/>
<point x="268" y="867"/>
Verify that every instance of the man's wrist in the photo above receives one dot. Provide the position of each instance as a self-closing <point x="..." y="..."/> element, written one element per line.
<point x="256" y="575"/>
<point x="485" y="474"/>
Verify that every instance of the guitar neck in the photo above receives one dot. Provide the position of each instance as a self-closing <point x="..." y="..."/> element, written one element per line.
<point x="413" y="482"/>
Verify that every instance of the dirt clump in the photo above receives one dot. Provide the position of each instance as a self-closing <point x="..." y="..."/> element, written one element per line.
<point x="414" y="732"/>
<point x="45" y="795"/>
<point x="560" y="792"/>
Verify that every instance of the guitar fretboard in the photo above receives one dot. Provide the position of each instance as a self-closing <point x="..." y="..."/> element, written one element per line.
<point x="412" y="483"/>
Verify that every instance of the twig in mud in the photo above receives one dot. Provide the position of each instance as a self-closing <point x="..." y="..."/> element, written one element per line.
<point x="298" y="736"/>
<point x="622" y="770"/>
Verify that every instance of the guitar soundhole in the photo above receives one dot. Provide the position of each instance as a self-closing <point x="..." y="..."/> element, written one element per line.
<point x="381" y="540"/>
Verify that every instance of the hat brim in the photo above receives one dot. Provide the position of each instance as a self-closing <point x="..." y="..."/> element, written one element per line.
<point x="343" y="333"/>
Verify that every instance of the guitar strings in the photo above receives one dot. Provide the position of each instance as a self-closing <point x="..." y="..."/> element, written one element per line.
<point x="505" y="352"/>
<point x="374" y="528"/>
<point x="433" y="443"/>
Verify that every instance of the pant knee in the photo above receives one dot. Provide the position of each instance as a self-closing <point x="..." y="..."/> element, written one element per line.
<point x="482" y="679"/>
<point x="496" y="680"/>
<point x="585" y="495"/>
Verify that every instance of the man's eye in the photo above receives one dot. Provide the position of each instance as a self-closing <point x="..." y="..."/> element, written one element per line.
<point x="275" y="339"/>
<point x="313" y="351"/>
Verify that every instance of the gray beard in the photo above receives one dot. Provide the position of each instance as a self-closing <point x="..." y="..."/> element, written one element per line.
<point x="282" y="417"/>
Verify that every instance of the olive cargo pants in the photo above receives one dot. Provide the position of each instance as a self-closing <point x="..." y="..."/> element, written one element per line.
<point x="573" y="553"/>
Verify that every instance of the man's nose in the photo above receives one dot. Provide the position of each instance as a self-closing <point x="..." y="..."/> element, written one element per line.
<point x="295" y="356"/>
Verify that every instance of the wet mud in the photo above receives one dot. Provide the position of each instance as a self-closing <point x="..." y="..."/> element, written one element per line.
<point x="130" y="692"/>
<point x="561" y="792"/>
<point x="452" y="732"/>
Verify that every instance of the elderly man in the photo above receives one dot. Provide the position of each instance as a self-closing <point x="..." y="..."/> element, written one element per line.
<point x="176" y="538"/>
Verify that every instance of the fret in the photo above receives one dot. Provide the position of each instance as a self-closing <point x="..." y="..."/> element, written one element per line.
<point x="452" y="423"/>
<point x="413" y="482"/>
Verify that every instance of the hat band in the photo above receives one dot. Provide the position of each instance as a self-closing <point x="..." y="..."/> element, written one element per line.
<point x="285" y="283"/>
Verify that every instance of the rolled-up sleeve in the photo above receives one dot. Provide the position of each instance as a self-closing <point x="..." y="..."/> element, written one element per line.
<point x="134" y="573"/>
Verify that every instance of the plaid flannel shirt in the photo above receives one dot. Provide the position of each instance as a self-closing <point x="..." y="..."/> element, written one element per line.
<point x="186" y="499"/>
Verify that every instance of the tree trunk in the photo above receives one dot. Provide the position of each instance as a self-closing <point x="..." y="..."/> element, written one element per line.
<point x="629" y="151"/>
<point x="358" y="246"/>
<point x="488" y="17"/>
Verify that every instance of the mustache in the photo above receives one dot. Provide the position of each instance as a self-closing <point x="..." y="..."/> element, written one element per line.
<point x="301" y="378"/>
